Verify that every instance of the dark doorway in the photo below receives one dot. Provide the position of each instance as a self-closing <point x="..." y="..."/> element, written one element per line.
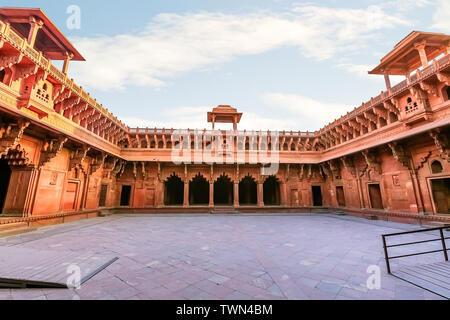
<point x="317" y="196"/>
<point x="340" y="196"/>
<point x="441" y="195"/>
<point x="2" y="75"/>
<point x="223" y="191"/>
<point x="174" y="191"/>
<point x="199" y="191"/>
<point x="125" y="197"/>
<point x="271" y="190"/>
<point x="5" y="176"/>
<point x="103" y="193"/>
<point x="375" y="196"/>
<point x="248" y="192"/>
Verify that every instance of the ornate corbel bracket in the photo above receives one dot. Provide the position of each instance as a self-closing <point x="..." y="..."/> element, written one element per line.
<point x="11" y="134"/>
<point x="442" y="143"/>
<point x="400" y="154"/>
<point x="372" y="161"/>
<point x="78" y="156"/>
<point x="51" y="149"/>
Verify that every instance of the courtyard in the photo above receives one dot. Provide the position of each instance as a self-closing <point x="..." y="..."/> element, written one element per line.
<point x="227" y="257"/>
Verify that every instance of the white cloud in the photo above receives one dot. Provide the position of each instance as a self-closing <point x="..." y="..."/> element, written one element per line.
<point x="175" y="43"/>
<point x="441" y="17"/>
<point x="362" y="71"/>
<point x="405" y="5"/>
<point x="304" y="113"/>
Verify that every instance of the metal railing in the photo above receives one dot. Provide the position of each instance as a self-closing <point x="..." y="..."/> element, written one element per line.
<point x="442" y="239"/>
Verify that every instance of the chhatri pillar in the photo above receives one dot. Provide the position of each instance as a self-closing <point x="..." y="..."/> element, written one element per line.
<point x="224" y="114"/>
<point x="211" y="194"/>
<point x="236" y="194"/>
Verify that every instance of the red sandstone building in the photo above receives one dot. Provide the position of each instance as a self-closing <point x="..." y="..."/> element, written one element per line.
<point x="64" y="156"/>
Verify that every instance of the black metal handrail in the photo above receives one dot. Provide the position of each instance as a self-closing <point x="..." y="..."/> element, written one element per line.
<point x="441" y="239"/>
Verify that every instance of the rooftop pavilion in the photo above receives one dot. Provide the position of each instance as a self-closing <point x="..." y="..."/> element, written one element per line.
<point x="415" y="51"/>
<point x="42" y="34"/>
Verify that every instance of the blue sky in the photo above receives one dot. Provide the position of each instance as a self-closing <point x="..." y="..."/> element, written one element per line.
<point x="288" y="65"/>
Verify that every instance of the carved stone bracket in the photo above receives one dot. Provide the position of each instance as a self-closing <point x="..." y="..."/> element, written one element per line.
<point x="442" y="143"/>
<point x="423" y="160"/>
<point x="97" y="162"/>
<point x="119" y="168"/>
<point x="444" y="78"/>
<point x="23" y="72"/>
<point x="17" y="157"/>
<point x="372" y="161"/>
<point x="429" y="88"/>
<point x="335" y="169"/>
<point x="51" y="149"/>
<point x="349" y="165"/>
<point x="78" y="156"/>
<point x="11" y="134"/>
<point x="400" y="154"/>
<point x="7" y="61"/>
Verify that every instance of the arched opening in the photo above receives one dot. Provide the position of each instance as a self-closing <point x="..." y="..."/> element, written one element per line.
<point x="5" y="176"/>
<point x="393" y="117"/>
<point x="199" y="191"/>
<point x="144" y="144"/>
<point x="248" y="192"/>
<point x="223" y="191"/>
<point x="160" y="145"/>
<point x="2" y="75"/>
<point x="272" y="192"/>
<point x="152" y="145"/>
<point x="446" y="93"/>
<point x="174" y="191"/>
<point x="436" y="167"/>
<point x="125" y="196"/>
<point x="168" y="145"/>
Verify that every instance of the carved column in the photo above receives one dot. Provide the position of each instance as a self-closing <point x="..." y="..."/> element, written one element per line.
<point x="260" y="194"/>
<point x="283" y="194"/>
<point x="186" y="194"/>
<point x="211" y="194"/>
<point x="236" y="194"/>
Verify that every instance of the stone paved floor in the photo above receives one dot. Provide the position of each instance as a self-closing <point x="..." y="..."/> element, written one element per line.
<point x="227" y="257"/>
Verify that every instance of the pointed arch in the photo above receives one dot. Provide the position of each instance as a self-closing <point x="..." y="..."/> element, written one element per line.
<point x="174" y="191"/>
<point x="199" y="191"/>
<point x="223" y="191"/>
<point x="248" y="191"/>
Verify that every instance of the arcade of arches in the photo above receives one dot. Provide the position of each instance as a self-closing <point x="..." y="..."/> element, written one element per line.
<point x="63" y="154"/>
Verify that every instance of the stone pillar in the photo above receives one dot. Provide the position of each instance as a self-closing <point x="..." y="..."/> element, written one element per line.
<point x="211" y="194"/>
<point x="35" y="26"/>
<point x="416" y="190"/>
<point x="387" y="80"/>
<point x="360" y="193"/>
<point x="186" y="194"/>
<point x="422" y="53"/>
<point x="260" y="194"/>
<point x="283" y="194"/>
<point x="69" y="57"/>
<point x="236" y="195"/>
